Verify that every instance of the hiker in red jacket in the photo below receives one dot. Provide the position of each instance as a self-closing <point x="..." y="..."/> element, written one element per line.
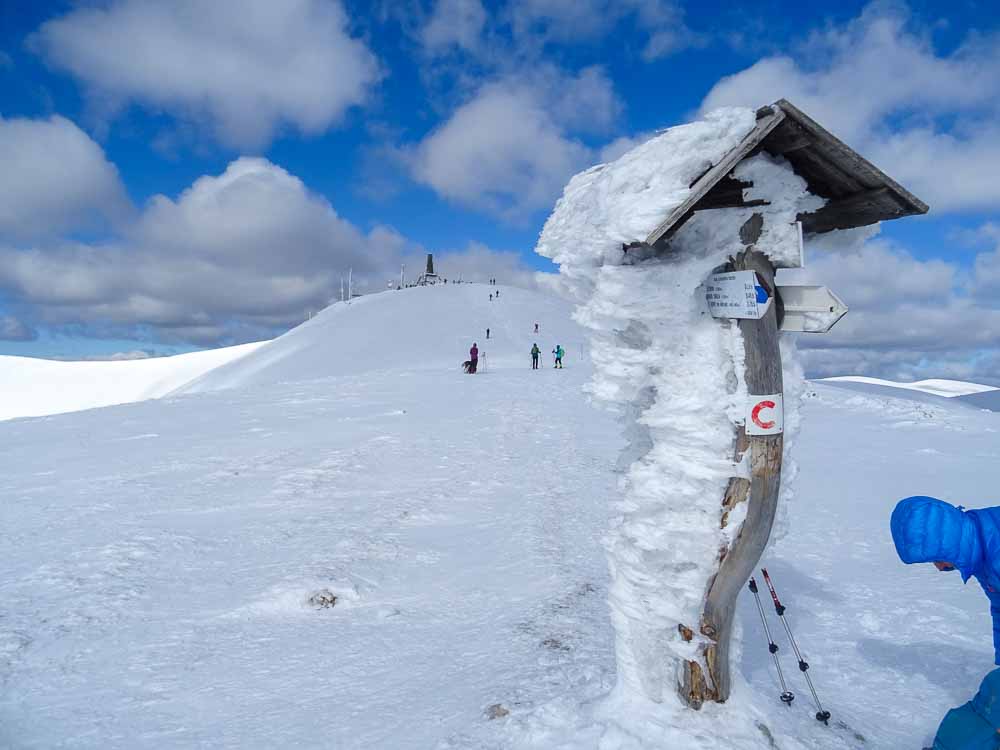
<point x="473" y="358"/>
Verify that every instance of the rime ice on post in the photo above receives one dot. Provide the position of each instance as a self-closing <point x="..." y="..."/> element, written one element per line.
<point x="671" y="253"/>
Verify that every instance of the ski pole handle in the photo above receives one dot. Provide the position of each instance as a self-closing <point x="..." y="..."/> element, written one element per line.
<point x="778" y="606"/>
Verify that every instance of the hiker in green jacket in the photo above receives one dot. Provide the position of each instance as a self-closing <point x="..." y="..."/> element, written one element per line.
<point x="559" y="352"/>
<point x="535" y="352"/>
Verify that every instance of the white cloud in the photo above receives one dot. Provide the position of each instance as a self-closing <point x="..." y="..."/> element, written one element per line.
<point x="55" y="179"/>
<point x="235" y="257"/>
<point x="454" y="23"/>
<point x="668" y="32"/>
<point x="582" y="21"/>
<point x="13" y="329"/>
<point x="622" y="145"/>
<point x="879" y="83"/>
<point x="251" y="244"/>
<point x="245" y="67"/>
<point x="253" y="211"/>
<point x="510" y="149"/>
<point x="908" y="319"/>
<point x="985" y="284"/>
<point x="585" y="102"/>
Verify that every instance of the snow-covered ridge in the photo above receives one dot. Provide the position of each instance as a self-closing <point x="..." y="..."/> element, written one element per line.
<point x="32" y="387"/>
<point x="418" y="328"/>
<point x="934" y="386"/>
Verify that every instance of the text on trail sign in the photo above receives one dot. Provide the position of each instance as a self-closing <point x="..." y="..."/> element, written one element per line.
<point x="738" y="294"/>
<point x="765" y="415"/>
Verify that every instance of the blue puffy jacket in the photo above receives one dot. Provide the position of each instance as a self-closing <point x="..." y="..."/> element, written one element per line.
<point x="973" y="726"/>
<point x="926" y="529"/>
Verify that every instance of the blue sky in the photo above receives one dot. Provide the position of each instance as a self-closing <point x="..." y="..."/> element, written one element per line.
<point x="188" y="174"/>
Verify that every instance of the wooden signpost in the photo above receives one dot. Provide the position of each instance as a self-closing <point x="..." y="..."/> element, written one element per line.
<point x="857" y="194"/>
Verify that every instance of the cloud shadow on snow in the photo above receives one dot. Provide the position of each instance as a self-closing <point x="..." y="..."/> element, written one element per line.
<point x="954" y="669"/>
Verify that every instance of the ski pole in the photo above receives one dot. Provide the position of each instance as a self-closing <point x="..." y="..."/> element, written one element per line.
<point x="821" y="715"/>
<point x="787" y="696"/>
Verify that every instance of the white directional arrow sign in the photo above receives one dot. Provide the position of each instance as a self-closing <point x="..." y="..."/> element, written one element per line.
<point x="812" y="309"/>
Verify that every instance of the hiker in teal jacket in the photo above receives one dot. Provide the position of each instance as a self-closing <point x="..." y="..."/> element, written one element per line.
<point x="559" y="352"/>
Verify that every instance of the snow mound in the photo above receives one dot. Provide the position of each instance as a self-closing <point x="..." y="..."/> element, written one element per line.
<point x="421" y="328"/>
<point x="31" y="387"/>
<point x="936" y="387"/>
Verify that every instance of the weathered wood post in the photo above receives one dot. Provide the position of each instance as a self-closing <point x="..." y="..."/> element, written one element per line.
<point x="762" y="376"/>
<point x="856" y="194"/>
<point x="785" y="178"/>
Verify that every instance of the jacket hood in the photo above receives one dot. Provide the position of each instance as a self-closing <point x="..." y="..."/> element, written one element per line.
<point x="925" y="529"/>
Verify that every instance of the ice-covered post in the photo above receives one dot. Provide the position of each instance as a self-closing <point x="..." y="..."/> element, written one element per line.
<point x="762" y="375"/>
<point x="690" y="357"/>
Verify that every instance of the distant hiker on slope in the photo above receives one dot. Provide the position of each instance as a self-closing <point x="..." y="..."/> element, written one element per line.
<point x="487" y="333"/>
<point x="925" y="529"/>
<point x="559" y="352"/>
<point x="473" y="358"/>
<point x="536" y="327"/>
<point x="491" y="298"/>
<point x="535" y="351"/>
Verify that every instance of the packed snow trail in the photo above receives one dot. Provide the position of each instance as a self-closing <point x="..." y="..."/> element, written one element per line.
<point x="159" y="558"/>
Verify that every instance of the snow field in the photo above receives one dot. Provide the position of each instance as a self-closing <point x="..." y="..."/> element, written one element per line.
<point x="161" y="556"/>
<point x="937" y="387"/>
<point x="159" y="559"/>
<point x="32" y="387"/>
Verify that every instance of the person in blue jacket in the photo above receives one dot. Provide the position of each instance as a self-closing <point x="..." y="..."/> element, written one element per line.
<point x="925" y="529"/>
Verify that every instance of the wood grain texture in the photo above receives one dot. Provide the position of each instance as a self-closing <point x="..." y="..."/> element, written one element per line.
<point x="763" y="375"/>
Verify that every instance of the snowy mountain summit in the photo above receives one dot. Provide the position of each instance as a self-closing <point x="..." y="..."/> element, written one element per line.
<point x="420" y="328"/>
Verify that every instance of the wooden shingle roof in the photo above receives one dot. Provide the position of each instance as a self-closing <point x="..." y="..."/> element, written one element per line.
<point x="858" y="193"/>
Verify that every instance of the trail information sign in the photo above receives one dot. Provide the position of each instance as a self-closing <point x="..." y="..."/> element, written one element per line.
<point x="738" y="294"/>
<point x="765" y="415"/>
